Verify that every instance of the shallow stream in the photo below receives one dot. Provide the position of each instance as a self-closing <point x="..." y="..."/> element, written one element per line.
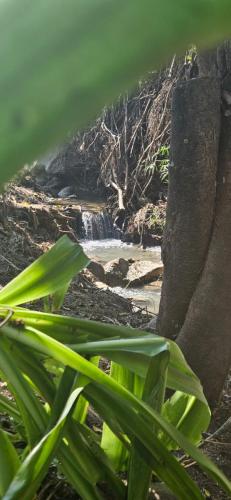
<point x="109" y="249"/>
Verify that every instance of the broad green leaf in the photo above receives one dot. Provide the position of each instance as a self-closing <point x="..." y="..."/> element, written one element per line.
<point x="70" y="330"/>
<point x="48" y="274"/>
<point x="35" y="466"/>
<point x="9" y="462"/>
<point x="111" y="444"/>
<point x="36" y="427"/>
<point x="57" y="82"/>
<point x="81" y="408"/>
<point x="135" y="354"/>
<point x="188" y="415"/>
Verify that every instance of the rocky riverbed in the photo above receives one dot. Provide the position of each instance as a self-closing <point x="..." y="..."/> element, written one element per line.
<point x="112" y="289"/>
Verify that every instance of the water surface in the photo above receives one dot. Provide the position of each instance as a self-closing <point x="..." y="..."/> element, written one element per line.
<point x="147" y="297"/>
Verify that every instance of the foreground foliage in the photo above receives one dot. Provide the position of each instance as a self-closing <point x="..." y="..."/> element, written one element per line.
<point x="51" y="365"/>
<point x="51" y="86"/>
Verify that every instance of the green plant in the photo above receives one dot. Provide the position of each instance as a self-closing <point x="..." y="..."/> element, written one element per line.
<point x="156" y="219"/>
<point x="160" y="163"/>
<point x="49" y="412"/>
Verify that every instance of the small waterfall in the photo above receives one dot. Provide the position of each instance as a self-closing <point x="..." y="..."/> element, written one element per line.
<point x="99" y="226"/>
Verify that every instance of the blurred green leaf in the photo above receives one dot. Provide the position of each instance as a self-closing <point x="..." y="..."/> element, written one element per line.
<point x="61" y="63"/>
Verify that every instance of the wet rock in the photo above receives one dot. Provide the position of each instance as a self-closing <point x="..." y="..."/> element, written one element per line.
<point x="143" y="272"/>
<point x="115" y="272"/>
<point x="66" y="192"/>
<point x="97" y="270"/>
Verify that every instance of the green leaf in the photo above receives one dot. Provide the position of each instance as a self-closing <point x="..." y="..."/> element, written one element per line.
<point x="165" y="466"/>
<point x="70" y="468"/>
<point x="30" y="363"/>
<point x="58" y="298"/>
<point x="188" y="415"/>
<point x="31" y="409"/>
<point x="9" y="407"/>
<point x="136" y="353"/>
<point x="9" y="462"/>
<point x="111" y="444"/>
<point x="53" y="84"/>
<point x="153" y="394"/>
<point x="35" y="466"/>
<point x="47" y="275"/>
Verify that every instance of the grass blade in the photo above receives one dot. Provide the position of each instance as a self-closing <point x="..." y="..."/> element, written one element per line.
<point x="9" y="462"/>
<point x="153" y="394"/>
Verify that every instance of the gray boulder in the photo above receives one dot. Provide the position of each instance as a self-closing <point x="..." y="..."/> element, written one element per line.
<point x="115" y="272"/>
<point x="143" y="272"/>
<point x="150" y="326"/>
<point x="66" y="192"/>
<point x="97" y="270"/>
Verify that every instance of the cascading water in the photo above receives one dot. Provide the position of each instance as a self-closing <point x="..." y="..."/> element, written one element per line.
<point x="99" y="226"/>
<point x="102" y="243"/>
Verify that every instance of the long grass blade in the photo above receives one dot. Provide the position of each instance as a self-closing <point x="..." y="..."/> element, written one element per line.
<point x="153" y="394"/>
<point x="9" y="462"/>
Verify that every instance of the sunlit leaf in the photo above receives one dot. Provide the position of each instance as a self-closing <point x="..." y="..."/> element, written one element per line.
<point x="9" y="462"/>
<point x="47" y="275"/>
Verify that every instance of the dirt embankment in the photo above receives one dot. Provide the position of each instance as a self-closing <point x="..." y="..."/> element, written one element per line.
<point x="30" y="223"/>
